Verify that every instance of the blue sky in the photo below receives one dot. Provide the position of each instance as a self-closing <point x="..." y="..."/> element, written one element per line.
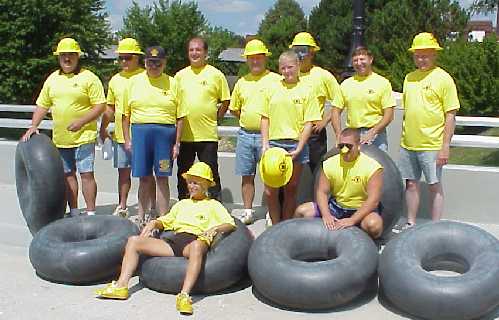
<point x="239" y="16"/>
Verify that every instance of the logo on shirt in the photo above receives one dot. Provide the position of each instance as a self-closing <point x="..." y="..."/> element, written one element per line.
<point x="204" y="82"/>
<point x="164" y="165"/>
<point x="370" y="91"/>
<point x="165" y="93"/>
<point x="356" y="179"/>
<point x="427" y="87"/>
<point x="75" y="85"/>
<point x="298" y="101"/>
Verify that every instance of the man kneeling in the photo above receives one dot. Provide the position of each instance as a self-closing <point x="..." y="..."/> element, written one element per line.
<point x="349" y="189"/>
<point x="195" y="221"/>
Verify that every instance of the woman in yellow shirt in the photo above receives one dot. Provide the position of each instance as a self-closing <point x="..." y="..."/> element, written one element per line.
<point x="195" y="221"/>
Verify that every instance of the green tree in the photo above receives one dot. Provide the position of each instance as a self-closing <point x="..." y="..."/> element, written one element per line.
<point x="30" y="31"/>
<point x="218" y="40"/>
<point x="475" y="68"/>
<point x="278" y="27"/>
<point x="168" y="24"/>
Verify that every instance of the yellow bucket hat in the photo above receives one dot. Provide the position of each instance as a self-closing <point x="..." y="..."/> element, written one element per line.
<point x="276" y="167"/>
<point x="202" y="170"/>
<point x="424" y="40"/>
<point x="256" y="46"/>
<point x="304" y="39"/>
<point x="129" y="45"/>
<point x="67" y="45"/>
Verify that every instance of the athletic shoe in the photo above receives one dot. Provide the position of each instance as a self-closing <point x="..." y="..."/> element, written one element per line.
<point x="402" y="228"/>
<point x="184" y="303"/>
<point x="111" y="291"/>
<point x="138" y="221"/>
<point x="268" y="220"/>
<point x="248" y="216"/>
<point x="120" y="212"/>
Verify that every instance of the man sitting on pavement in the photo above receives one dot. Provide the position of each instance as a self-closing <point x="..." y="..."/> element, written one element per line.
<point x="349" y="189"/>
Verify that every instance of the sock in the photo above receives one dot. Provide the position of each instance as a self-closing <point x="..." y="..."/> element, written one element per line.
<point x="90" y="213"/>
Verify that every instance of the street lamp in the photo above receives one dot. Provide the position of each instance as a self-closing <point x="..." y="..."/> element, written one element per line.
<point x="357" y="35"/>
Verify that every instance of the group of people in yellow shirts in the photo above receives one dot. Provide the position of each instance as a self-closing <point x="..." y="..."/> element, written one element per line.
<point x="160" y="119"/>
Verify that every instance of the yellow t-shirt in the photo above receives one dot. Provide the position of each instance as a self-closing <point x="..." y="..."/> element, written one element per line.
<point x="71" y="96"/>
<point x="199" y="91"/>
<point x="152" y="100"/>
<point x="115" y="92"/>
<point x="427" y="96"/>
<point x="348" y="180"/>
<point x="248" y="98"/>
<point x="365" y="98"/>
<point x="325" y="85"/>
<point x="196" y="216"/>
<point x="288" y="107"/>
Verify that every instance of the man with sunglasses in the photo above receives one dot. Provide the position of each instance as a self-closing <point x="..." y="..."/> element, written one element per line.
<point x="368" y="100"/>
<point x="349" y="189"/>
<point x="128" y="59"/>
<point x="326" y="89"/>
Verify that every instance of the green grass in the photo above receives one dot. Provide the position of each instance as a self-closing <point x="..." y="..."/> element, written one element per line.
<point x="475" y="156"/>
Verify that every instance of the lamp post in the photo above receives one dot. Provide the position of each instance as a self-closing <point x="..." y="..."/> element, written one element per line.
<point x="357" y="35"/>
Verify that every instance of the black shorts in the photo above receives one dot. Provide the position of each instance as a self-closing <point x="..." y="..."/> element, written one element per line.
<point x="179" y="241"/>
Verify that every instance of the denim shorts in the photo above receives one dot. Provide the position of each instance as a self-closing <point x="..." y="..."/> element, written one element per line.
<point x="248" y="152"/>
<point x="290" y="145"/>
<point x="80" y="158"/>
<point x="412" y="163"/>
<point x="339" y="212"/>
<point x="380" y="141"/>
<point x="152" y="149"/>
<point x="122" y="159"/>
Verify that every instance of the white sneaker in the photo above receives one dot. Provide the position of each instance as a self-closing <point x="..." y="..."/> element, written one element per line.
<point x="248" y="216"/>
<point x="120" y="212"/>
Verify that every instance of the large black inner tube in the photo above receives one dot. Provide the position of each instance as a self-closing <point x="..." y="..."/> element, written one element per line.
<point x="81" y="250"/>
<point x="39" y="182"/>
<point x="299" y="264"/>
<point x="408" y="284"/>
<point x="224" y="266"/>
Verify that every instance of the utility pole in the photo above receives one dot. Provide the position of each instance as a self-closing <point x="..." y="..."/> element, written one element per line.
<point x="358" y="28"/>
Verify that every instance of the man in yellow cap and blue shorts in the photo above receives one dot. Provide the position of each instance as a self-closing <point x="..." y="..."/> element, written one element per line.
<point x="430" y="106"/>
<point x="128" y="57"/>
<point x="75" y="96"/>
<point x="246" y="103"/>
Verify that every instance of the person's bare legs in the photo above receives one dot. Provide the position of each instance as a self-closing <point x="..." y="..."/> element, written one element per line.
<point x="145" y="186"/>
<point x="89" y="189"/>
<point x="290" y="190"/>
<point x="272" y="195"/>
<point x="305" y="210"/>
<point x="162" y="195"/>
<point x="124" y="185"/>
<point x="248" y="191"/>
<point x="195" y="253"/>
<point x="372" y="224"/>
<point x="135" y="246"/>
<point x="412" y="200"/>
<point x="436" y="200"/>
<point x="71" y="189"/>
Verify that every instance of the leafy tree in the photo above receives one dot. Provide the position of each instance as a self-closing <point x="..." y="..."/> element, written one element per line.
<point x="30" y="31"/>
<point x="218" y="40"/>
<point x="475" y="68"/>
<point x="278" y="27"/>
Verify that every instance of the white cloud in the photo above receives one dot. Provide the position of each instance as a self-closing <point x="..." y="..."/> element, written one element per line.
<point x="224" y="6"/>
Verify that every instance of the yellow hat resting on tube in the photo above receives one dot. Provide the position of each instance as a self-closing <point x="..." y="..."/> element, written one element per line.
<point x="424" y="40"/>
<point x="67" y="45"/>
<point x="276" y="167"/>
<point x="129" y="45"/>
<point x="256" y="46"/>
<point x="201" y="170"/>
<point x="304" y="39"/>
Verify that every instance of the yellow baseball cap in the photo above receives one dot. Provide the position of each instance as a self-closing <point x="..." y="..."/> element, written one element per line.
<point x="276" y="167"/>
<point x="67" y="45"/>
<point x="256" y="46"/>
<point x="424" y="40"/>
<point x="304" y="39"/>
<point x="129" y="45"/>
<point x="201" y="170"/>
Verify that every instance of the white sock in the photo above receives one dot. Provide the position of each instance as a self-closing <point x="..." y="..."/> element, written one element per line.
<point x="90" y="213"/>
<point x="74" y="212"/>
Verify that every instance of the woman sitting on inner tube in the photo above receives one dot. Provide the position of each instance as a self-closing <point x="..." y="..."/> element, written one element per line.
<point x="195" y="221"/>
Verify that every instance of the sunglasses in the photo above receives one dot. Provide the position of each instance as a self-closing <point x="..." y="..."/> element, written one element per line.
<point x="125" y="58"/>
<point x="348" y="145"/>
<point x="154" y="63"/>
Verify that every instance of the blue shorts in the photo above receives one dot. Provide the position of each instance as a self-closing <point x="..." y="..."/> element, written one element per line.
<point x="152" y="149"/>
<point x="339" y="212"/>
<point x="80" y="158"/>
<point x="290" y="145"/>
<point x="248" y="152"/>
<point x="122" y="159"/>
<point x="412" y="163"/>
<point x="380" y="141"/>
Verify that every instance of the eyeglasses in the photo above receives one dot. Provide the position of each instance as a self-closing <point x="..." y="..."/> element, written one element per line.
<point x="156" y="63"/>
<point x="348" y="145"/>
<point x="125" y="58"/>
<point x="301" y="51"/>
